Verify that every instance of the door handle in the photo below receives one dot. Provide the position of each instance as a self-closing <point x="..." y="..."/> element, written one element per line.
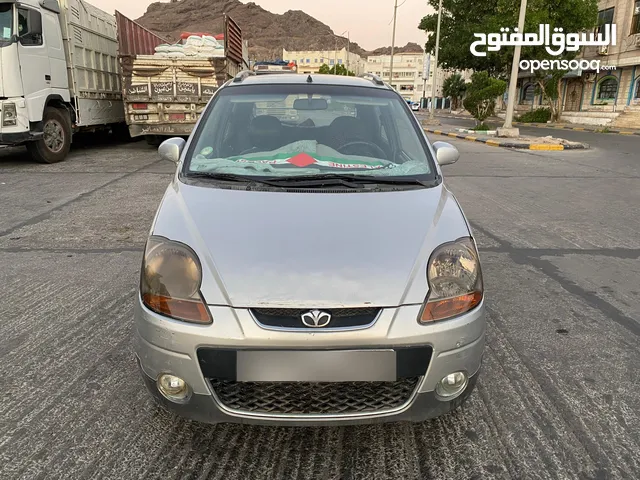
<point x="47" y="78"/>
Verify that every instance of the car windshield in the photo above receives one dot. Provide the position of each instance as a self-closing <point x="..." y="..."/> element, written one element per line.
<point x="306" y="130"/>
<point x="6" y="22"/>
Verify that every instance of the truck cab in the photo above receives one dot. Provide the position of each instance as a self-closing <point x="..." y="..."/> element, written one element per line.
<point x="58" y="74"/>
<point x="34" y="84"/>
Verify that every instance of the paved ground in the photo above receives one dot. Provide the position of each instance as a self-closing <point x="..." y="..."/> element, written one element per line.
<point x="605" y="142"/>
<point x="559" y="396"/>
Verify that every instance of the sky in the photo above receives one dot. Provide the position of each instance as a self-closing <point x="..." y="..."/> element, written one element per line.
<point x="370" y="31"/>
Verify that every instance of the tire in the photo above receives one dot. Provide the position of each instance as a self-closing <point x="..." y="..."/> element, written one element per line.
<point x="153" y="140"/>
<point x="120" y="132"/>
<point x="54" y="146"/>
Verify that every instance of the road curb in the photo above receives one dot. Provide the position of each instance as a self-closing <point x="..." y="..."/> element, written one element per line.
<point x="557" y="127"/>
<point x="578" y="129"/>
<point x="507" y="143"/>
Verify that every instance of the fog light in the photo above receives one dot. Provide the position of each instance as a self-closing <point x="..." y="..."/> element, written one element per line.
<point x="452" y="385"/>
<point x="173" y="388"/>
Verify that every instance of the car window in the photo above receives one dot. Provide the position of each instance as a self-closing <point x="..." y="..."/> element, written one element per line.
<point x="285" y="130"/>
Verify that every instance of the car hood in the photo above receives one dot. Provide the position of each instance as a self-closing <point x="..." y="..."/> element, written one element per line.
<point x="311" y="250"/>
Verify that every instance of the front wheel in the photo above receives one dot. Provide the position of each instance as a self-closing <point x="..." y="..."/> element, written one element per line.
<point x="55" y="144"/>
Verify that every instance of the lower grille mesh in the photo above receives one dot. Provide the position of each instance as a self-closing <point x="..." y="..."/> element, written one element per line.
<point x="314" y="398"/>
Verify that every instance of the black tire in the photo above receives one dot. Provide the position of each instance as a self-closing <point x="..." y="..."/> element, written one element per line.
<point x="153" y="140"/>
<point x="120" y="132"/>
<point x="54" y="146"/>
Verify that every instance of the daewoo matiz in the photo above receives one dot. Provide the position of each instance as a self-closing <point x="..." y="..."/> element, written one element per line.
<point x="307" y="265"/>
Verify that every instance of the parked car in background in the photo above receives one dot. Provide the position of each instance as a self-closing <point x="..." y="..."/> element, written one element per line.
<point x="343" y="286"/>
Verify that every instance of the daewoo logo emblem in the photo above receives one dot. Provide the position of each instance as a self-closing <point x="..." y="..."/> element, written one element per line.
<point x="316" y="319"/>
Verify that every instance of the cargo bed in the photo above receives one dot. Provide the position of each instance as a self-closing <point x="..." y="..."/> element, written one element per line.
<point x="165" y="96"/>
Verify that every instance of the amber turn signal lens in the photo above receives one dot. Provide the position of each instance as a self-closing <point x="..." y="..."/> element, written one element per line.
<point x="188" y="310"/>
<point x="450" y="307"/>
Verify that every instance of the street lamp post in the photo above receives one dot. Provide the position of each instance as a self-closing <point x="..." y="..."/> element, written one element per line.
<point x="507" y="129"/>
<point x="393" y="45"/>
<point x="348" y="50"/>
<point x="425" y="73"/>
<point x="335" y="64"/>
<point x="435" y="66"/>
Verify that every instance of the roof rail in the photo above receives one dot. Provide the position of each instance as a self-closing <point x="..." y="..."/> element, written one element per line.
<point x="241" y="77"/>
<point x="374" y="78"/>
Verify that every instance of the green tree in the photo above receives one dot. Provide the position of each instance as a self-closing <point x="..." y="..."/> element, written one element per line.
<point x="481" y="96"/>
<point x="341" y="70"/>
<point x="573" y="16"/>
<point x="550" y="85"/>
<point x="454" y="87"/>
<point x="461" y="19"/>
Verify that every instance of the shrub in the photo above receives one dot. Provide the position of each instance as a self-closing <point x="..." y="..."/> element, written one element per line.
<point x="481" y="95"/>
<point x="539" y="115"/>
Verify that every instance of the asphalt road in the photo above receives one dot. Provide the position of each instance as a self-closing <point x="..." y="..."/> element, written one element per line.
<point x="606" y="143"/>
<point x="559" y="396"/>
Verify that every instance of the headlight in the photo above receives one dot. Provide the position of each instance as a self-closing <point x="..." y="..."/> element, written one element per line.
<point x="455" y="281"/>
<point x="170" y="281"/>
<point x="9" y="115"/>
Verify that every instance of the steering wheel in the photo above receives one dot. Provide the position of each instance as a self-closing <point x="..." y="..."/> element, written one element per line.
<point x="372" y="147"/>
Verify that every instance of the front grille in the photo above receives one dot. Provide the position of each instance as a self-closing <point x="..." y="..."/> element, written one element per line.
<point x="301" y="398"/>
<point x="292" y="318"/>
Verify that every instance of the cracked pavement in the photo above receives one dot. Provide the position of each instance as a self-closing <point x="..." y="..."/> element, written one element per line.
<point x="559" y="395"/>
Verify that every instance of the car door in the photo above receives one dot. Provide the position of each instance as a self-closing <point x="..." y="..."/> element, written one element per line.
<point x="33" y="54"/>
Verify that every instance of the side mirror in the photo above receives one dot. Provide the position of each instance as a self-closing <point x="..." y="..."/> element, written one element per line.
<point x="172" y="149"/>
<point x="446" y="154"/>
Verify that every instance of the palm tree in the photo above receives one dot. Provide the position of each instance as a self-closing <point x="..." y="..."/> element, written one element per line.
<point x="454" y="87"/>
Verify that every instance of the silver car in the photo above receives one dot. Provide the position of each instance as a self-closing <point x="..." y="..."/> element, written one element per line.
<point x="309" y="270"/>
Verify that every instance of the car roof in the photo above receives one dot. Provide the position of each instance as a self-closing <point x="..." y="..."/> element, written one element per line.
<point x="250" y="78"/>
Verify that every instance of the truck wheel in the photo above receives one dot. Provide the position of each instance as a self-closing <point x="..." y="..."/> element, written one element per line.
<point x="54" y="146"/>
<point x="153" y="140"/>
<point x="120" y="132"/>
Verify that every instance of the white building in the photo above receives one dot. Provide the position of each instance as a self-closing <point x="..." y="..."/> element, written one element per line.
<point x="408" y="74"/>
<point x="310" y="61"/>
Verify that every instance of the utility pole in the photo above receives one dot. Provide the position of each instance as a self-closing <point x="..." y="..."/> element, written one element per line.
<point x="435" y="67"/>
<point x="425" y="74"/>
<point x="348" y="50"/>
<point x="335" y="62"/>
<point x="348" y="45"/>
<point x="393" y="44"/>
<point x="507" y="129"/>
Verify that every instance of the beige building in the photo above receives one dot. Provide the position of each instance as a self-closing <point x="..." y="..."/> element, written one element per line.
<point x="611" y="96"/>
<point x="310" y="61"/>
<point x="408" y="74"/>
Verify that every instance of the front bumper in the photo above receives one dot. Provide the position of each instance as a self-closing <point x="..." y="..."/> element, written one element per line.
<point x="206" y="409"/>
<point x="167" y="346"/>
<point x="19" y="138"/>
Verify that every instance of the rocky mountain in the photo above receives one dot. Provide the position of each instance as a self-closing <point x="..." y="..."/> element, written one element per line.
<point x="267" y="32"/>
<point x="408" y="48"/>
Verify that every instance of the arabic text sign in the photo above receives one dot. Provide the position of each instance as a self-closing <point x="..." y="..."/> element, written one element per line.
<point x="563" y="42"/>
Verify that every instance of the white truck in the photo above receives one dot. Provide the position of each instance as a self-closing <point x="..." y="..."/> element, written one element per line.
<point x="59" y="74"/>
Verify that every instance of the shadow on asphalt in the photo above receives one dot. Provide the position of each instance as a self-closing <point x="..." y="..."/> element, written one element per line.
<point x="81" y="141"/>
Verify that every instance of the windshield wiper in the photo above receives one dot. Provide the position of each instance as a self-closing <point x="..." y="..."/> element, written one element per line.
<point x="349" y="181"/>
<point x="315" y="181"/>
<point x="352" y="181"/>
<point x="231" y="177"/>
